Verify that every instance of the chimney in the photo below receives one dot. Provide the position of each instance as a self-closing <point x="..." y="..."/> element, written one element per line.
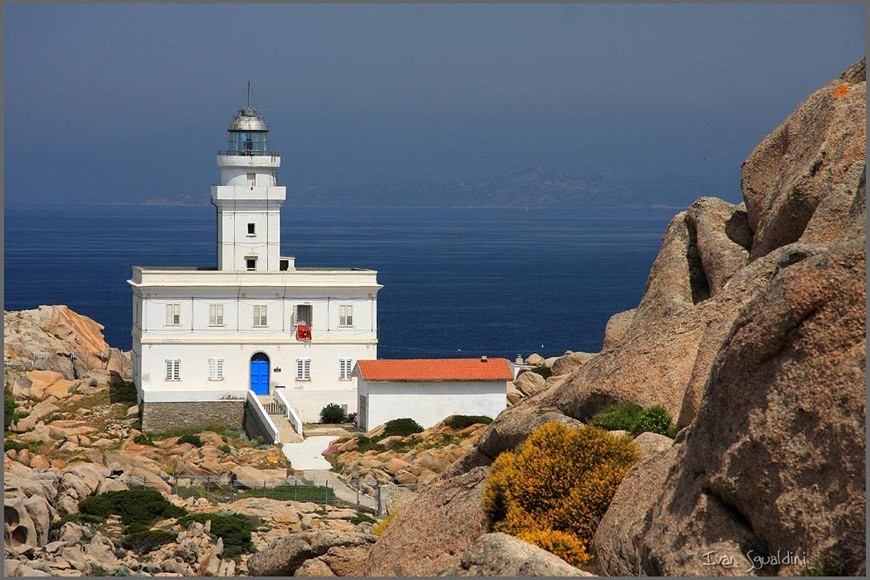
<point x="483" y="359"/>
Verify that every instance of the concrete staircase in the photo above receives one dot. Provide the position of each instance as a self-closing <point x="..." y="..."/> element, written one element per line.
<point x="286" y="432"/>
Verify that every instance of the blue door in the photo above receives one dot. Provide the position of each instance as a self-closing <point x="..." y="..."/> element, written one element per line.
<point x="260" y="374"/>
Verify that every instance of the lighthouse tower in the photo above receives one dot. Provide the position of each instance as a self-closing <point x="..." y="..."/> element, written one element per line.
<point x="248" y="199"/>
<point x="256" y="342"/>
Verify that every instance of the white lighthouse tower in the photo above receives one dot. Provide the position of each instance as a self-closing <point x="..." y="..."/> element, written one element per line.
<point x="222" y="346"/>
<point x="248" y="200"/>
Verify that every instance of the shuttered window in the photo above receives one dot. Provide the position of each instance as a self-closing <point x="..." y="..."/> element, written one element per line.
<point x="173" y="314"/>
<point x="260" y="315"/>
<point x="345" y="366"/>
<point x="303" y="369"/>
<point x="215" y="369"/>
<point x="345" y="315"/>
<point x="173" y="369"/>
<point x="215" y="314"/>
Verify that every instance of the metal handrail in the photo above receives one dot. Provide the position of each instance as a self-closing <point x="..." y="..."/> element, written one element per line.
<point x="249" y="153"/>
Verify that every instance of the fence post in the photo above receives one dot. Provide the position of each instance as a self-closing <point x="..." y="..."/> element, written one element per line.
<point x="295" y="490"/>
<point x="357" y="495"/>
<point x="378" y="483"/>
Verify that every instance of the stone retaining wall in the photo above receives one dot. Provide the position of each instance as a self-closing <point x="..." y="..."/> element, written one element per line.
<point x="157" y="417"/>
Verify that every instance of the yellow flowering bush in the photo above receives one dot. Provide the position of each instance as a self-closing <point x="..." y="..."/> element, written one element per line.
<point x="560" y="480"/>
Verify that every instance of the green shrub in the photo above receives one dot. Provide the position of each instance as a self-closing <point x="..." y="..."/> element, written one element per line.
<point x="403" y="427"/>
<point x="234" y="529"/>
<point x="560" y="480"/>
<point x="622" y="416"/>
<point x="460" y="422"/>
<point x="654" y="420"/>
<point x="192" y="439"/>
<point x="100" y="506"/>
<point x="147" y="541"/>
<point x="142" y="506"/>
<point x="97" y="569"/>
<point x="143" y="439"/>
<point x="9" y="407"/>
<point x="634" y="419"/>
<point x="137" y="527"/>
<point x="332" y="413"/>
<point x="13" y="444"/>
<point x="226" y="449"/>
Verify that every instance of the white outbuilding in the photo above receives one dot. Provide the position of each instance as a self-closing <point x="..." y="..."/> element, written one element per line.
<point x="428" y="390"/>
<point x="254" y="331"/>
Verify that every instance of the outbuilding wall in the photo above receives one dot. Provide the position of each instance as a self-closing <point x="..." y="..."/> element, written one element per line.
<point x="430" y="402"/>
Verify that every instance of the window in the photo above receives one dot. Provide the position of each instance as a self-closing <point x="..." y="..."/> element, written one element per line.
<point x="252" y="179"/>
<point x="303" y="369"/>
<point x="345" y="366"/>
<point x="173" y="314"/>
<point x="251" y="263"/>
<point x="173" y="369"/>
<point x="260" y="315"/>
<point x="252" y="229"/>
<point x="215" y="314"/>
<point x="215" y="369"/>
<point x="302" y="314"/>
<point x="345" y="315"/>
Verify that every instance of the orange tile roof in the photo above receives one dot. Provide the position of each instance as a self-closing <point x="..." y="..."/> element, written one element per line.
<point x="435" y="369"/>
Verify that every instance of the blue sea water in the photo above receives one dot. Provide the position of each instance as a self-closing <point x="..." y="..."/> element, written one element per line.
<point x="457" y="282"/>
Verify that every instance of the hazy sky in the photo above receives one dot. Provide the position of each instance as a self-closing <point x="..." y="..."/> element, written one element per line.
<point x="124" y="102"/>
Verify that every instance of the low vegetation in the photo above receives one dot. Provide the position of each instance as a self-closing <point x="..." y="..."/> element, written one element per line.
<point x="137" y="507"/>
<point x="194" y="440"/>
<point x="555" y="488"/>
<point x="635" y="419"/>
<point x="143" y="439"/>
<point x="380" y="527"/>
<point x="234" y="529"/>
<point x="146" y="541"/>
<point x="460" y="422"/>
<point x="403" y="427"/>
<point x="332" y="413"/>
<point x="9" y="407"/>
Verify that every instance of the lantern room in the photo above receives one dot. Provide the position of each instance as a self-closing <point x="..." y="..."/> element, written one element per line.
<point x="248" y="133"/>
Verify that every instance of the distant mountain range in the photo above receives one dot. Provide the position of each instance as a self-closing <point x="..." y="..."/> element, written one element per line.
<point x="531" y="187"/>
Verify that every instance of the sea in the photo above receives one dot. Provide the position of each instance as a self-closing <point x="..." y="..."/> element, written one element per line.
<point x="456" y="282"/>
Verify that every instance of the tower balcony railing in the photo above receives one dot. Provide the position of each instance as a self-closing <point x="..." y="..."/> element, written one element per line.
<point x="248" y="152"/>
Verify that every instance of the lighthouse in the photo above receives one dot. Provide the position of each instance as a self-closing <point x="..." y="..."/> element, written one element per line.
<point x="256" y="342"/>
<point x="248" y="199"/>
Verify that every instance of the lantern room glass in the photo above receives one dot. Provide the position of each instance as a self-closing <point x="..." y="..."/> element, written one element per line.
<point x="249" y="142"/>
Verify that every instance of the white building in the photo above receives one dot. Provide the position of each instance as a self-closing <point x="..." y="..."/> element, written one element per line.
<point x="204" y="337"/>
<point x="429" y="390"/>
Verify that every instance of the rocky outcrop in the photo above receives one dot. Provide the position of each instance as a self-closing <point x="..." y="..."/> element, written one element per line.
<point x="616" y="328"/>
<point x="777" y="468"/>
<point x="722" y="237"/>
<point x="415" y="460"/>
<point x="819" y="148"/>
<point x="428" y="538"/>
<point x="503" y="555"/>
<point x="56" y="338"/>
<point x="751" y="333"/>
<point x="344" y="550"/>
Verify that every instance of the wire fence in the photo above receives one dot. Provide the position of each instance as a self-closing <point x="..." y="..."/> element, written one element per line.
<point x="226" y="490"/>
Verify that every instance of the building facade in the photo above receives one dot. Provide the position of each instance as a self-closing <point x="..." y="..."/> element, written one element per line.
<point x="204" y="337"/>
<point x="430" y="390"/>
